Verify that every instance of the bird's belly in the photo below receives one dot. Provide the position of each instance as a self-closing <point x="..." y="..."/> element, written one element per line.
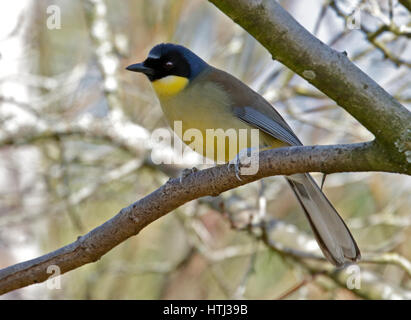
<point x="212" y="130"/>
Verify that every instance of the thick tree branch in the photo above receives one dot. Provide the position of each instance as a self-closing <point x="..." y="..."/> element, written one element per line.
<point x="210" y="182"/>
<point x="328" y="70"/>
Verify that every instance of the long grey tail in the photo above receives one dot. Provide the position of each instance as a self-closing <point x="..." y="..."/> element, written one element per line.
<point x="333" y="236"/>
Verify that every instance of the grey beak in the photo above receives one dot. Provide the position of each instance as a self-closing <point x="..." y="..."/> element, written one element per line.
<point x="139" y="67"/>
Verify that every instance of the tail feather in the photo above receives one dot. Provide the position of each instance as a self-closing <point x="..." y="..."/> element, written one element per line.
<point x="332" y="234"/>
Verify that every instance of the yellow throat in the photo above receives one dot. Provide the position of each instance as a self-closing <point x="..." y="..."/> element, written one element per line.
<point x="170" y="85"/>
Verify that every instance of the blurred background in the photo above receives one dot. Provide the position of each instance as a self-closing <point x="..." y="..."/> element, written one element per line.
<point x="74" y="132"/>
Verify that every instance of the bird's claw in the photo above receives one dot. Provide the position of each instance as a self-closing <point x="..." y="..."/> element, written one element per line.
<point x="247" y="159"/>
<point x="237" y="167"/>
<point x="323" y="180"/>
<point x="186" y="172"/>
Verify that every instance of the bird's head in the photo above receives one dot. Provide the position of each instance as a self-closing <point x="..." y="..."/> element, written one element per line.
<point x="170" y="68"/>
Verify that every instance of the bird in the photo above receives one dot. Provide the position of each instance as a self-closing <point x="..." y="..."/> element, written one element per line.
<point x="203" y="97"/>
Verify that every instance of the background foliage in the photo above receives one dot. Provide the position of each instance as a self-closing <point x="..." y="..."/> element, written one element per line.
<point x="56" y="187"/>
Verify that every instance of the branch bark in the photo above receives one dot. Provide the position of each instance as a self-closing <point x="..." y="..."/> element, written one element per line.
<point x="210" y="182"/>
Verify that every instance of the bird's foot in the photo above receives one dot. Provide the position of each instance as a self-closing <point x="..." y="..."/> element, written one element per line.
<point x="186" y="172"/>
<point x="245" y="162"/>
<point x="236" y="163"/>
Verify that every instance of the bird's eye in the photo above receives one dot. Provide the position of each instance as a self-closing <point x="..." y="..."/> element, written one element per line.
<point x="168" y="65"/>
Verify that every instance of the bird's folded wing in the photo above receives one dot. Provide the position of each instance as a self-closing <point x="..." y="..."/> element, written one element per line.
<point x="264" y="123"/>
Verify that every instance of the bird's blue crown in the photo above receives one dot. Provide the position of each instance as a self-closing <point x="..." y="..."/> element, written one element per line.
<point x="196" y="63"/>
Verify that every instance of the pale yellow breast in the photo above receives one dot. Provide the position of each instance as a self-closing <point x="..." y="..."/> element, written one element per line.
<point x="204" y="106"/>
<point x="169" y="86"/>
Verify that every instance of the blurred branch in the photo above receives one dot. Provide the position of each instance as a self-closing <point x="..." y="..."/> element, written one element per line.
<point x="75" y="198"/>
<point x="372" y="287"/>
<point x="406" y="3"/>
<point x="209" y="182"/>
<point x="274" y="235"/>
<point x="105" y="53"/>
<point x="372" y="36"/>
<point x="328" y="70"/>
<point x="114" y="128"/>
<point x="308" y="279"/>
<point x="390" y="258"/>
